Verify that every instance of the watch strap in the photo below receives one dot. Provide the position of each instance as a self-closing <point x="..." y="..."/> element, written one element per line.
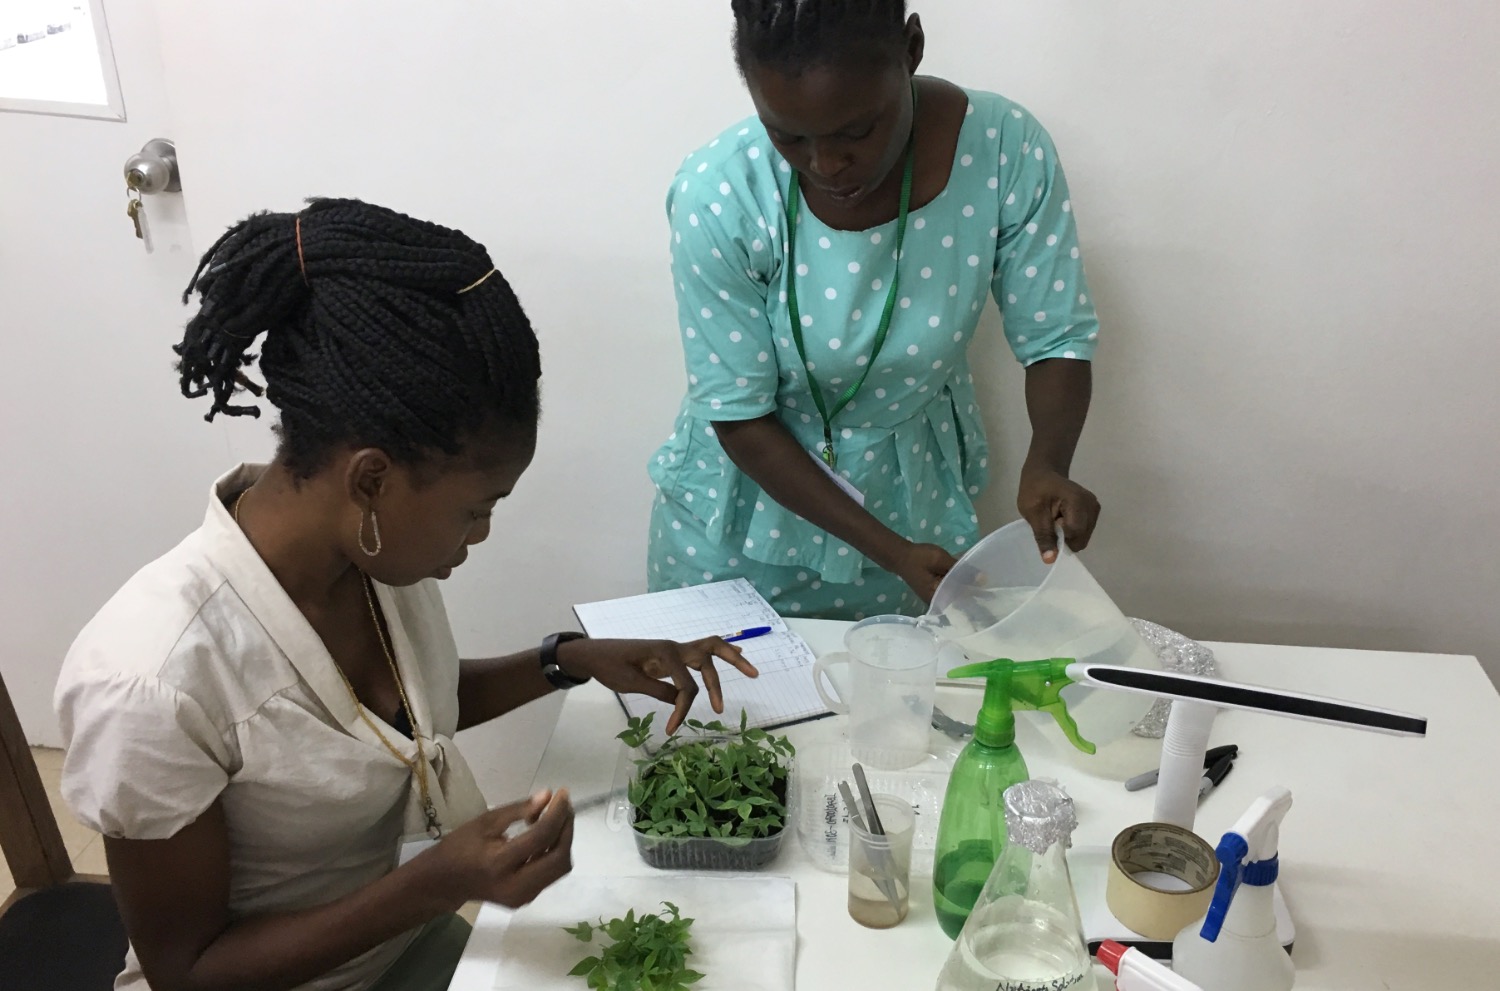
<point x="555" y="675"/>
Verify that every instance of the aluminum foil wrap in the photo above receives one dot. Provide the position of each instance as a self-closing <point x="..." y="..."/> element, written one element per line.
<point x="1177" y="653"/>
<point x="1039" y="814"/>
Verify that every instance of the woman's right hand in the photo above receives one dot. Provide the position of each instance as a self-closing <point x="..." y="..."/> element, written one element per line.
<point x="923" y="567"/>
<point x="478" y="862"/>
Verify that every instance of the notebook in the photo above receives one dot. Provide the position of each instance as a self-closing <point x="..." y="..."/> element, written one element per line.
<point x="783" y="694"/>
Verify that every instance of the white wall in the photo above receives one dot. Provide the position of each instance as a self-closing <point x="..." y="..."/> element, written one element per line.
<point x="1289" y="213"/>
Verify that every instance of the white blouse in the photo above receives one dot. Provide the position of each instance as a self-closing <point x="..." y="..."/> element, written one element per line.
<point x="201" y="681"/>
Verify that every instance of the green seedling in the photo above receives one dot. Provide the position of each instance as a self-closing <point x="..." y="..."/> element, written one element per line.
<point x="648" y="953"/>
<point x="718" y="782"/>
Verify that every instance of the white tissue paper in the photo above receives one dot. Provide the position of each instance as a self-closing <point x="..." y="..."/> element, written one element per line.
<point x="744" y="934"/>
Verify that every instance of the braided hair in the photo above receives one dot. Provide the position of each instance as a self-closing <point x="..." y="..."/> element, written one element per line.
<point x="792" y="34"/>
<point x="380" y="331"/>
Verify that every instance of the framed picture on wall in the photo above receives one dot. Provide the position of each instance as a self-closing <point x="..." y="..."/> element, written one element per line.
<point x="56" y="58"/>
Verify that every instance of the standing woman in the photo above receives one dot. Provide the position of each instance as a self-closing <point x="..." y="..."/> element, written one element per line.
<point x="831" y="258"/>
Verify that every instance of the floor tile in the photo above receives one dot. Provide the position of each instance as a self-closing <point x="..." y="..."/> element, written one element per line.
<point x="91" y="860"/>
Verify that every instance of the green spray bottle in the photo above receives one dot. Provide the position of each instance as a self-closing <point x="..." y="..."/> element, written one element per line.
<point x="972" y="831"/>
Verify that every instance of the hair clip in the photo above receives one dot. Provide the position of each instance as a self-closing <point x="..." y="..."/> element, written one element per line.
<point x="477" y="282"/>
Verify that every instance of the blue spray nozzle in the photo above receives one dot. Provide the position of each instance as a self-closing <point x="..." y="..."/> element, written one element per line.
<point x="1233" y="872"/>
<point x="1256" y="835"/>
<point x="1231" y="851"/>
<point x="1261" y="872"/>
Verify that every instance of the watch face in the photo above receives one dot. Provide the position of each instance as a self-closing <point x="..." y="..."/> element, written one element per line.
<point x="560" y="678"/>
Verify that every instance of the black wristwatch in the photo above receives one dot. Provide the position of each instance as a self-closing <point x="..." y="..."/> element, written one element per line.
<point x="556" y="676"/>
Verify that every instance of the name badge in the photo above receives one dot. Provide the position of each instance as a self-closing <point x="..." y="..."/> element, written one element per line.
<point x="839" y="480"/>
<point x="413" y="845"/>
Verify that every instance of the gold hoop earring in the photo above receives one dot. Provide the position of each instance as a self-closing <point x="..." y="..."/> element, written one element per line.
<point x="374" y="526"/>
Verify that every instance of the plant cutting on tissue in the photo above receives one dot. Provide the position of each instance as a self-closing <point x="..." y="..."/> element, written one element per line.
<point x="648" y="953"/>
<point x="720" y="785"/>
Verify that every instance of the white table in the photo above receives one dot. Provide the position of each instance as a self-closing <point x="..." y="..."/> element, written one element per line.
<point x="1390" y="859"/>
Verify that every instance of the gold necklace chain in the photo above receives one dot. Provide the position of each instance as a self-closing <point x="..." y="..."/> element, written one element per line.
<point x="418" y="767"/>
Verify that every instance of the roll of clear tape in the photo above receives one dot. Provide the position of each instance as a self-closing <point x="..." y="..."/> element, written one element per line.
<point x="1161" y="879"/>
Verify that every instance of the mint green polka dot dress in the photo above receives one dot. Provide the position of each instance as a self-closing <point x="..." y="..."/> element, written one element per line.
<point x="911" y="440"/>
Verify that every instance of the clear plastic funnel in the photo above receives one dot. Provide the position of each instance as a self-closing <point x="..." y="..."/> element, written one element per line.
<point x="1001" y="600"/>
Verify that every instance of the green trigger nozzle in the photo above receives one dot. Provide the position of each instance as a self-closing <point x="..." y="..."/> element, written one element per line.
<point x="1012" y="686"/>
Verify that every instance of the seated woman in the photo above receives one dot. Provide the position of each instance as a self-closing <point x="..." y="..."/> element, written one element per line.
<point x="261" y="721"/>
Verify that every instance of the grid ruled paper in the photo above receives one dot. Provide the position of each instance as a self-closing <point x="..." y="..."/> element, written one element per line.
<point x="782" y="694"/>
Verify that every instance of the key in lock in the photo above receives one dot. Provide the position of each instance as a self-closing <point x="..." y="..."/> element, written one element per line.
<point x="133" y="209"/>
<point x="153" y="169"/>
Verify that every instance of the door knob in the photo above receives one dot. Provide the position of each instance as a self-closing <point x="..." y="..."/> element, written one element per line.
<point x="153" y="169"/>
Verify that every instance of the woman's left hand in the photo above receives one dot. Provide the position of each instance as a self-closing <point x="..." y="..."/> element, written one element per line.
<point x="661" y="669"/>
<point x="1047" y="499"/>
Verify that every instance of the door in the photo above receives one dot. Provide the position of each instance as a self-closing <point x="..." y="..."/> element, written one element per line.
<point x="105" y="466"/>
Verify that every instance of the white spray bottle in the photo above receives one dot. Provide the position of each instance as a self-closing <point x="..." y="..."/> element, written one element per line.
<point x="1235" y="947"/>
<point x="1134" y="971"/>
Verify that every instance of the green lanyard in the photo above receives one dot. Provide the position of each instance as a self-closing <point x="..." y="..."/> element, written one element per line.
<point x="793" y="202"/>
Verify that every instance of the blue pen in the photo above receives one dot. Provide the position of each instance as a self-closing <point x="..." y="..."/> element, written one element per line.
<point x="754" y="631"/>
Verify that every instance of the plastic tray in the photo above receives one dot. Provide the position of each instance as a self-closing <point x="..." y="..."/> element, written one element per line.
<point x="823" y="822"/>
<point x="703" y="853"/>
<point x="697" y="853"/>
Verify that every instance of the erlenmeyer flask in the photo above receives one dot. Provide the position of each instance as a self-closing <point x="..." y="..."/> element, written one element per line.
<point x="1025" y="932"/>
